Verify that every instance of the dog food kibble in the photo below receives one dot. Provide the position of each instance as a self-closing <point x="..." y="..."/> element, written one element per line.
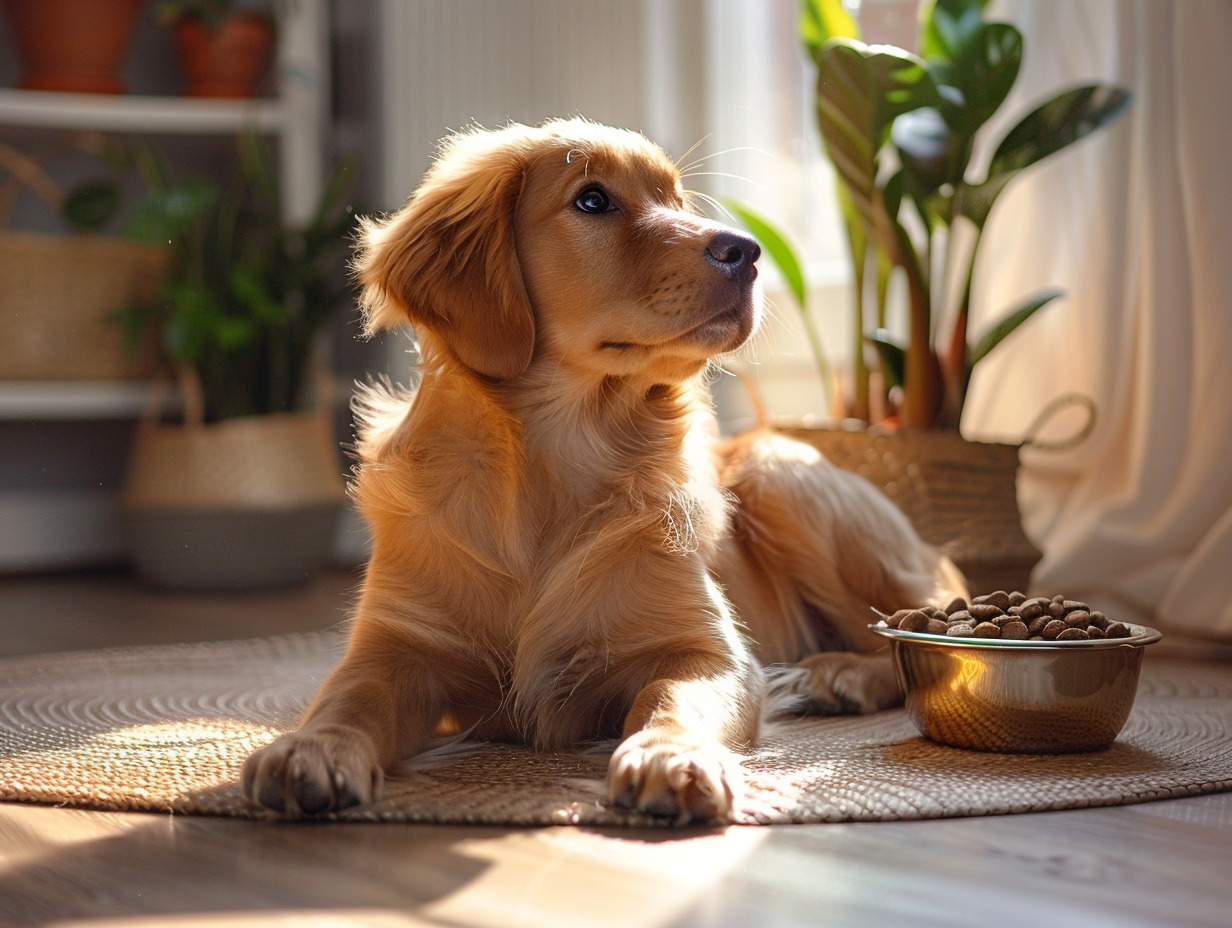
<point x="1011" y="616"/>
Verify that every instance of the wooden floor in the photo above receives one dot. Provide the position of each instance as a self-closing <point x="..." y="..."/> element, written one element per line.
<point x="1157" y="864"/>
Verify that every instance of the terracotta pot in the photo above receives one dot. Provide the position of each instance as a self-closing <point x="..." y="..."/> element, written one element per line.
<point x="73" y="45"/>
<point x="224" y="61"/>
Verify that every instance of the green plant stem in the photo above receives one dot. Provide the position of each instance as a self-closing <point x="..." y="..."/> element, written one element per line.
<point x="885" y="268"/>
<point x="923" y="378"/>
<point x="819" y="353"/>
<point x="957" y="362"/>
<point x="859" y="408"/>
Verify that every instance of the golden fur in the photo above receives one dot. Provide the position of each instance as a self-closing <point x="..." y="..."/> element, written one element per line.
<point x="562" y="548"/>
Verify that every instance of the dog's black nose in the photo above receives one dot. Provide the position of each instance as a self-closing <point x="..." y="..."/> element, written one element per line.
<point x="735" y="254"/>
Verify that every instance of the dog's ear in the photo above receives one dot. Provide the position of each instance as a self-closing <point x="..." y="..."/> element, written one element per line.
<point x="447" y="260"/>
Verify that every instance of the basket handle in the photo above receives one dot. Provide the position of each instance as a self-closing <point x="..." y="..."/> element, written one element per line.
<point x="1031" y="438"/>
<point x="25" y="171"/>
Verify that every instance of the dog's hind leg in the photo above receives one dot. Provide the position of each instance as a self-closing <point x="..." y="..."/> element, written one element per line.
<point x="829" y="545"/>
<point x="832" y="683"/>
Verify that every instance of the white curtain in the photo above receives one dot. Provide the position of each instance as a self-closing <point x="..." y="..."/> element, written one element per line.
<point x="1133" y="224"/>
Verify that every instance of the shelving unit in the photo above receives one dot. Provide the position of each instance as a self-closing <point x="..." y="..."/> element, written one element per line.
<point x="40" y="109"/>
<point x="63" y="527"/>
<point x="71" y="400"/>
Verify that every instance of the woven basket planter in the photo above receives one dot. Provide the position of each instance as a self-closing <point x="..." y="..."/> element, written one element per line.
<point x="242" y="504"/>
<point x="57" y="297"/>
<point x="960" y="495"/>
<point x="58" y="292"/>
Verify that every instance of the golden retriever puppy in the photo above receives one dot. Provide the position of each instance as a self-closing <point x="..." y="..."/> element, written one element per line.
<point x="562" y="549"/>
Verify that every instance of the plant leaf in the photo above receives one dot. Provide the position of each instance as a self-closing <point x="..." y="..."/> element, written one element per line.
<point x="255" y="167"/>
<point x="983" y="71"/>
<point x="861" y="90"/>
<point x="249" y="289"/>
<point x="893" y="355"/>
<point x="776" y="246"/>
<point x="171" y="213"/>
<point x="822" y="20"/>
<point x="948" y="26"/>
<point x="91" y="204"/>
<point x="1011" y="321"/>
<point x="1057" y="123"/>
<point x="924" y="141"/>
<point x="1046" y="130"/>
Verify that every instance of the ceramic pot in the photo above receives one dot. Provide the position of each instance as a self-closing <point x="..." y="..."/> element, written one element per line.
<point x="73" y="45"/>
<point x="228" y="60"/>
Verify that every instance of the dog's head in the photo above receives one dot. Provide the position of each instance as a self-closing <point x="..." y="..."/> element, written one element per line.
<point x="571" y="243"/>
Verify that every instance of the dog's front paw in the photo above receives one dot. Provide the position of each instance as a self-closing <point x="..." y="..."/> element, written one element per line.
<point x="314" y="770"/>
<point x="667" y="777"/>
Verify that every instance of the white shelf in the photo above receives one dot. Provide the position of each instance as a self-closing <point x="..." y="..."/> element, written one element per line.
<point x="72" y="399"/>
<point x="45" y="109"/>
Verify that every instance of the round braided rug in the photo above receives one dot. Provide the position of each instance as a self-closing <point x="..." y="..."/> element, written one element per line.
<point x="167" y="729"/>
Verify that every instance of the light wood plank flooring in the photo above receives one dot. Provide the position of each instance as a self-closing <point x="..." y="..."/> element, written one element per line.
<point x="1157" y="864"/>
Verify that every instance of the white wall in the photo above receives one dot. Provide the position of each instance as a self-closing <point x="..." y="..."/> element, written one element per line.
<point x="448" y="65"/>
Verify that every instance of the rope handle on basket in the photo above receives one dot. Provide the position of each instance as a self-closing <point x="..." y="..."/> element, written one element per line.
<point x="1031" y="437"/>
<point x="26" y="170"/>
<point x="191" y="394"/>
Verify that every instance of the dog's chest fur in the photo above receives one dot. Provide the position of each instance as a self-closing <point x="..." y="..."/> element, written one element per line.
<point x="538" y="534"/>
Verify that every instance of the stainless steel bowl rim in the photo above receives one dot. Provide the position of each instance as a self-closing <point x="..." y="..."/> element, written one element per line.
<point x="1144" y="636"/>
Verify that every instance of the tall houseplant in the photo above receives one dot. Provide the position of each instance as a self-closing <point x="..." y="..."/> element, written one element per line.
<point x="238" y="316"/>
<point x="246" y="491"/>
<point x="901" y="129"/>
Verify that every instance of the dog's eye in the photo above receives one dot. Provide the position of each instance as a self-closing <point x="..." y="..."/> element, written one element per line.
<point x="593" y="200"/>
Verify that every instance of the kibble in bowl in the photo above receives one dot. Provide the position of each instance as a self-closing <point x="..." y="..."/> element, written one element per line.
<point x="1017" y="674"/>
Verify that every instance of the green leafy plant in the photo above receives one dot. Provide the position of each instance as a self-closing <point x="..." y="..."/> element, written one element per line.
<point x="247" y="294"/>
<point x="900" y="129"/>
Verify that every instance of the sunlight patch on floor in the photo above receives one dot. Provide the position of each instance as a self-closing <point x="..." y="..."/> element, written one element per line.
<point x="28" y="833"/>
<point x="277" y="918"/>
<point x="552" y="877"/>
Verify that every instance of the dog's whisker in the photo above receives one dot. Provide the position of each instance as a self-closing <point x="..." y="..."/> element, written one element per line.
<point x="692" y="148"/>
<point x="713" y="202"/>
<point x="685" y="169"/>
<point x="740" y="177"/>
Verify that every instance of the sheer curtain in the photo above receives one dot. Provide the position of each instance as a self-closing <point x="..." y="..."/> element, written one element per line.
<point x="1132" y="223"/>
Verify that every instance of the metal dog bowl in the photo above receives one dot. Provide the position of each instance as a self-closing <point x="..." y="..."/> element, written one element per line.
<point x="1025" y="697"/>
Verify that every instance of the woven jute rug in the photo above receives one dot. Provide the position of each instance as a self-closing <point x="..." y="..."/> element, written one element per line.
<point x="167" y="729"/>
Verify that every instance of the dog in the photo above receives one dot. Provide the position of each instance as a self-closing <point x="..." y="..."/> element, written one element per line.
<point x="563" y="550"/>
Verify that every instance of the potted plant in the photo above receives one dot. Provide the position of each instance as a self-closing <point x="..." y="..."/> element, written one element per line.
<point x="901" y="130"/>
<point x="53" y="324"/>
<point x="245" y="492"/>
<point x="223" y="51"/>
